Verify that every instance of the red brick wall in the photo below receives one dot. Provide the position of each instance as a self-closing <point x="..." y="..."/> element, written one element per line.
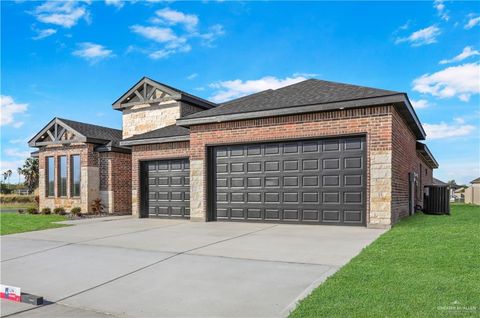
<point x="116" y="176"/>
<point x="140" y="153"/>
<point x="405" y="160"/>
<point x="375" y="122"/>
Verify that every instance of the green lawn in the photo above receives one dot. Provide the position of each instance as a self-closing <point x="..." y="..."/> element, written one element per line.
<point x="15" y="223"/>
<point x="425" y="266"/>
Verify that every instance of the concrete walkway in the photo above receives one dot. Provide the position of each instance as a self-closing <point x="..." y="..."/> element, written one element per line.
<point x="132" y="267"/>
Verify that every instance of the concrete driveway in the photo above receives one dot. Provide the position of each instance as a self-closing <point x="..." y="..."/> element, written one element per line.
<point x="132" y="267"/>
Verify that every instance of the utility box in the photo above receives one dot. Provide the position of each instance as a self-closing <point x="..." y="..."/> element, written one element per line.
<point x="436" y="199"/>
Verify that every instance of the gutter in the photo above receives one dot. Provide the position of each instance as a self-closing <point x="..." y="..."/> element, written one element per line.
<point x="149" y="141"/>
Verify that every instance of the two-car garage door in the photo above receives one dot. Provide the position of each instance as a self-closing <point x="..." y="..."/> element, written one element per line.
<point x="321" y="181"/>
<point x="310" y="181"/>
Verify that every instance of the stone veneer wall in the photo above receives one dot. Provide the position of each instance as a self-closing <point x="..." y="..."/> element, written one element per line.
<point x="374" y="122"/>
<point x="90" y="180"/>
<point x="143" y="118"/>
<point x="116" y="182"/>
<point x="171" y="150"/>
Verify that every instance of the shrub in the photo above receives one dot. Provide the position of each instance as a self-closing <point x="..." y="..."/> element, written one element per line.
<point x="13" y="198"/>
<point x="32" y="211"/>
<point x="21" y="211"/>
<point x="59" y="211"/>
<point x="76" y="211"/>
<point x="46" y="211"/>
<point x="97" y="206"/>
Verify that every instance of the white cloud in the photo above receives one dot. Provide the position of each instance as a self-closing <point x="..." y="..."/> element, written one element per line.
<point x="461" y="81"/>
<point x="421" y="37"/>
<point x="420" y="103"/>
<point x="462" y="173"/>
<point x="174" y="39"/>
<point x="444" y="130"/>
<point x="41" y="34"/>
<point x="164" y="53"/>
<point x="9" y="109"/>
<point x="62" y="13"/>
<point x="440" y="7"/>
<point x="214" y="32"/>
<point x="92" y="52"/>
<point x="467" y="52"/>
<point x="173" y="17"/>
<point x="15" y="152"/>
<point x="192" y="76"/>
<point x="115" y="3"/>
<point x="473" y="21"/>
<point x="227" y="90"/>
<point x="160" y="35"/>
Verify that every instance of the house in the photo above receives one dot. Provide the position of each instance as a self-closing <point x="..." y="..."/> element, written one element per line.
<point x="314" y="152"/>
<point x="472" y="193"/>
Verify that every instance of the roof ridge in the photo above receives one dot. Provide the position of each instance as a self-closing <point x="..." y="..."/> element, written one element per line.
<point x="83" y="123"/>
<point x="247" y="96"/>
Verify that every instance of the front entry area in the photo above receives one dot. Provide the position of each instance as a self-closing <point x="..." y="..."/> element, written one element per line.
<point x="165" y="187"/>
<point x="321" y="181"/>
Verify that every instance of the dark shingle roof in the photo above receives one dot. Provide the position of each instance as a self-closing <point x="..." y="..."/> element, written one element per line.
<point x="94" y="131"/>
<point x="476" y="180"/>
<point x="308" y="92"/>
<point x="164" y="132"/>
<point x="438" y="182"/>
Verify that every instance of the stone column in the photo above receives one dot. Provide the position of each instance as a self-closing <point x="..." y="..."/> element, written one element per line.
<point x="380" y="189"/>
<point x="198" y="210"/>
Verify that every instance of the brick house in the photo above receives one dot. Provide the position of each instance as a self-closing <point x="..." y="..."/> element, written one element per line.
<point x="315" y="152"/>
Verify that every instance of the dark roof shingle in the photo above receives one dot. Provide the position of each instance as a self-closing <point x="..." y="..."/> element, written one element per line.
<point x="94" y="131"/>
<point x="164" y="132"/>
<point x="308" y="92"/>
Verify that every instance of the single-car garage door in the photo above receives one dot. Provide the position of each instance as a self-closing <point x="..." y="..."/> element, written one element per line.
<point x="166" y="188"/>
<point x="310" y="181"/>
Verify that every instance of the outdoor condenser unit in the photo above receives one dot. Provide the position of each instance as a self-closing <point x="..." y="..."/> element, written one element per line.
<point x="436" y="199"/>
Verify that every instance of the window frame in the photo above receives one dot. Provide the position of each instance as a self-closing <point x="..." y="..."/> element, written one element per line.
<point x="49" y="168"/>
<point x="60" y="185"/>
<point x="72" y="176"/>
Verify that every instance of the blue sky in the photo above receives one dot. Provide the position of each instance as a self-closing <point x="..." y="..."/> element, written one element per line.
<point x="73" y="59"/>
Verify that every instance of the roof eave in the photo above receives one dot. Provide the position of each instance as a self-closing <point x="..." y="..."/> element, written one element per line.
<point x="147" y="141"/>
<point x="423" y="149"/>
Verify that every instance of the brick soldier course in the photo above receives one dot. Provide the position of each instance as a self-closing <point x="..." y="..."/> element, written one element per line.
<point x="161" y="122"/>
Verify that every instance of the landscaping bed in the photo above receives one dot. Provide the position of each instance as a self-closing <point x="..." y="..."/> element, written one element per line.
<point x="425" y="266"/>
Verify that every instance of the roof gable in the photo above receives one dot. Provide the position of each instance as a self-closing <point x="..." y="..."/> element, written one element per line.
<point x="148" y="91"/>
<point x="64" y="131"/>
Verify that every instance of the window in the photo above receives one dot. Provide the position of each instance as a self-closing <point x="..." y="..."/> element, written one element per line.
<point x="50" y="177"/>
<point x="75" y="175"/>
<point x="62" y="177"/>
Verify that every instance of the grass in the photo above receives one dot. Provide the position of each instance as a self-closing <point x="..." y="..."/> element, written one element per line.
<point x="11" y="223"/>
<point x="425" y="266"/>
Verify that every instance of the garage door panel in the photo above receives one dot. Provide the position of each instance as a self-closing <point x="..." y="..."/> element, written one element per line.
<point x="311" y="181"/>
<point x="167" y="189"/>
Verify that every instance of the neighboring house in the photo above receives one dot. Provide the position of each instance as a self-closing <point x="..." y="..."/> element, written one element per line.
<point x="314" y="152"/>
<point x="472" y="193"/>
<point x="455" y="190"/>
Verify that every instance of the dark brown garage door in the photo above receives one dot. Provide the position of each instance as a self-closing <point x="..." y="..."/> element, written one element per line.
<point x="166" y="188"/>
<point x="310" y="181"/>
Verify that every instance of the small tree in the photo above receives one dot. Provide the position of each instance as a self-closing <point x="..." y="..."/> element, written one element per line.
<point x="30" y="172"/>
